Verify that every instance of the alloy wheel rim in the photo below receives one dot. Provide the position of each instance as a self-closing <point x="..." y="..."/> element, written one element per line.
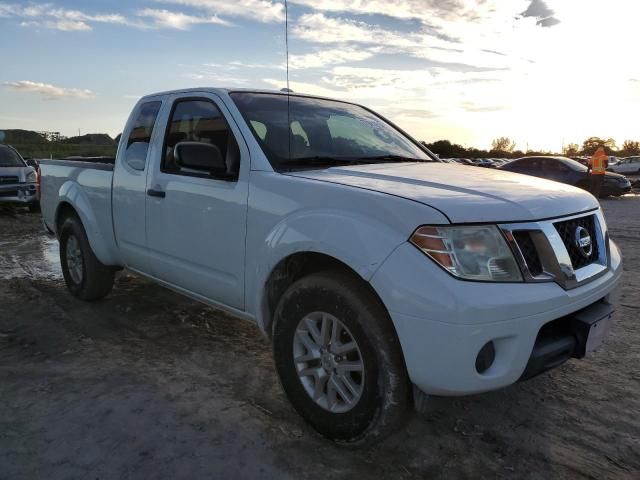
<point x="328" y="362"/>
<point x="75" y="263"/>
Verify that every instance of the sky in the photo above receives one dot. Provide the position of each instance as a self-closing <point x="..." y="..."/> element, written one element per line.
<point x="545" y="73"/>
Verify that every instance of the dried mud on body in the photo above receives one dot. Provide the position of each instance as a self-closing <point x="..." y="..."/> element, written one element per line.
<point x="148" y="384"/>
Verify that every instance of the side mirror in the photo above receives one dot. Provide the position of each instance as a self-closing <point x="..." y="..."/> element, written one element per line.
<point x="199" y="156"/>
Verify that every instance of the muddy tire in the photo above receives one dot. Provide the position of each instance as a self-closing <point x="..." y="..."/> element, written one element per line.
<point x="339" y="359"/>
<point x="86" y="277"/>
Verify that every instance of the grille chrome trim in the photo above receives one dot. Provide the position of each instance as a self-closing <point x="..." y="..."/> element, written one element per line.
<point x="553" y="254"/>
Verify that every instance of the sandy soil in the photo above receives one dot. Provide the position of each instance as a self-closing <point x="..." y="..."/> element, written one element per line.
<point x="147" y="384"/>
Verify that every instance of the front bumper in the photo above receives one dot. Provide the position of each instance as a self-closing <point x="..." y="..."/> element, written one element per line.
<point x="443" y="322"/>
<point x="22" y="193"/>
<point x="616" y="189"/>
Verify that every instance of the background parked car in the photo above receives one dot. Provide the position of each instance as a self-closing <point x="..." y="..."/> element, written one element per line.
<point x="498" y="162"/>
<point x="626" y="165"/>
<point x="17" y="179"/>
<point x="32" y="162"/>
<point x="485" y="162"/>
<point x="567" y="171"/>
<point x="465" y="161"/>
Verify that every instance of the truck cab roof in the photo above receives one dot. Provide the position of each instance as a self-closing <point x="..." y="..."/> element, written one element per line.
<point x="228" y="90"/>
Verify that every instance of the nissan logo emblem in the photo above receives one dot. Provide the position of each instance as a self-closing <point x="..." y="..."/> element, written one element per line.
<point x="583" y="241"/>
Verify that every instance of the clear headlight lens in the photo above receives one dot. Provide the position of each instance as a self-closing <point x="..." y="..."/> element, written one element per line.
<point x="31" y="176"/>
<point x="469" y="252"/>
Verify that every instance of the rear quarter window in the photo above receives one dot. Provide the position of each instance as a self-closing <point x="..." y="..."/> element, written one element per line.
<point x="140" y="137"/>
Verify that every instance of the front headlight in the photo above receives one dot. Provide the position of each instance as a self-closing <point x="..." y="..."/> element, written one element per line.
<point x="469" y="252"/>
<point x="31" y="177"/>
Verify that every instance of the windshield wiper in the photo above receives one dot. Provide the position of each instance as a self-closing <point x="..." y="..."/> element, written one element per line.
<point x="329" y="160"/>
<point x="395" y="158"/>
<point x="319" y="160"/>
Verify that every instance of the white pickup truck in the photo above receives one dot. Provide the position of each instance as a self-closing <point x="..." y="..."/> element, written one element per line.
<point x="380" y="274"/>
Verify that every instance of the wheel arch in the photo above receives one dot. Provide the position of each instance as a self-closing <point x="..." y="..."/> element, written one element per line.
<point x="72" y="201"/>
<point x="292" y="268"/>
<point x="64" y="211"/>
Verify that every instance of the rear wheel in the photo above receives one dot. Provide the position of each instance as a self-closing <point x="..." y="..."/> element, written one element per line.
<point x="339" y="358"/>
<point x="86" y="277"/>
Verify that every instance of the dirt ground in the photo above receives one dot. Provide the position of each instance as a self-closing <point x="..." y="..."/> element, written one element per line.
<point x="147" y="384"/>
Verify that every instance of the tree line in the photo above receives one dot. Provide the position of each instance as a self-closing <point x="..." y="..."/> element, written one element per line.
<point x="504" y="147"/>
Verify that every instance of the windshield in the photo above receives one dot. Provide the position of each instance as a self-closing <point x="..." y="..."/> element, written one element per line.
<point x="9" y="157"/>
<point x="321" y="132"/>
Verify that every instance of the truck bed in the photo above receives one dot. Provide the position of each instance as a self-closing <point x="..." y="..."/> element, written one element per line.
<point x="88" y="184"/>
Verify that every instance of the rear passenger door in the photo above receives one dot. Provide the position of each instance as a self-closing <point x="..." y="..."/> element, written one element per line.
<point x="138" y="144"/>
<point x="196" y="222"/>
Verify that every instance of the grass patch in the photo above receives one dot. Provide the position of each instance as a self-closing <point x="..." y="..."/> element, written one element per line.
<point x="60" y="150"/>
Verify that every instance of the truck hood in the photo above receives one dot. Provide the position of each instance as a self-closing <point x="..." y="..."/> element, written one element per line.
<point x="20" y="172"/>
<point x="464" y="194"/>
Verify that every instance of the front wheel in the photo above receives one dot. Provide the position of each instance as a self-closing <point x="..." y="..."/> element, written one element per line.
<point x="86" y="277"/>
<point x="339" y="358"/>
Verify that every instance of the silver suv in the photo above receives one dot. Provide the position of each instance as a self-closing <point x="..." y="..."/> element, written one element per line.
<point x="17" y="180"/>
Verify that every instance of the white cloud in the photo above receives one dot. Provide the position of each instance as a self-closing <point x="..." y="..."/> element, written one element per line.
<point x="47" y="15"/>
<point x="259" y="10"/>
<point x="318" y="28"/>
<point x="177" y="20"/>
<point x="330" y="57"/>
<point x="68" y="25"/>
<point x="77" y="16"/>
<point x="428" y="11"/>
<point x="403" y="9"/>
<point x="48" y="91"/>
<point x="421" y="43"/>
<point x="240" y="65"/>
<point x="7" y="10"/>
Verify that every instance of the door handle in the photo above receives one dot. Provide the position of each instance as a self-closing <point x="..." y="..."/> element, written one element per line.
<point x="156" y="193"/>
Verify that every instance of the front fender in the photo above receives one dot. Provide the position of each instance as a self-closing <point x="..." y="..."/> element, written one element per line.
<point x="362" y="243"/>
<point x="101" y="242"/>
